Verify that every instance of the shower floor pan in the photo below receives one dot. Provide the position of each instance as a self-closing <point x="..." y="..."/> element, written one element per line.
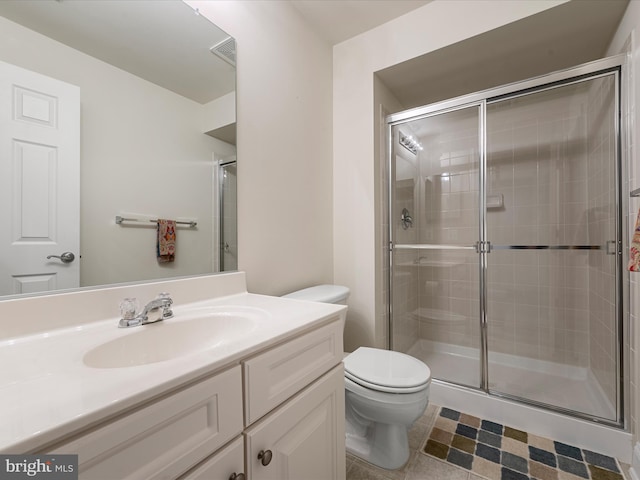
<point x="568" y="387"/>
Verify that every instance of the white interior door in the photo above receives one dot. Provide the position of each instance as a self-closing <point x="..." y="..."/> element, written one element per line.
<point x="39" y="181"/>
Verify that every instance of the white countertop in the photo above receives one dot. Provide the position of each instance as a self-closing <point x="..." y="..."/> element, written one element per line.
<point x="47" y="392"/>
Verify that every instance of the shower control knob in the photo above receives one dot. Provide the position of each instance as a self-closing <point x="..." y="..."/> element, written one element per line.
<point x="237" y="476"/>
<point x="265" y="457"/>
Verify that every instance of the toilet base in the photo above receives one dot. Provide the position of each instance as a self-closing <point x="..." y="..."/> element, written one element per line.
<point x="383" y="445"/>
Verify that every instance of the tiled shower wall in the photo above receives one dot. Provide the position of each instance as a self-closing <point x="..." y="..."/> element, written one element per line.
<point x="538" y="299"/>
<point x="405" y="281"/>
<point x="449" y="279"/>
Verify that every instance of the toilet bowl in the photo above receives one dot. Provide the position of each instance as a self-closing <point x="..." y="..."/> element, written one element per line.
<point x="385" y="393"/>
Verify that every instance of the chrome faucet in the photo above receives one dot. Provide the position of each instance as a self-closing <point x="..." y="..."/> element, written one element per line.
<point x="156" y="310"/>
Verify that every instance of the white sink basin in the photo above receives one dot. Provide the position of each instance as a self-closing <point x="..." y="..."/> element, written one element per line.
<point x="200" y="329"/>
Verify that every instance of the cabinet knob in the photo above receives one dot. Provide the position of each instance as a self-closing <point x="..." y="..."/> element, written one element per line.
<point x="237" y="476"/>
<point x="265" y="457"/>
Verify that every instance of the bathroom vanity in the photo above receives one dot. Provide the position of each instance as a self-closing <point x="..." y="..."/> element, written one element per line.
<point x="263" y="397"/>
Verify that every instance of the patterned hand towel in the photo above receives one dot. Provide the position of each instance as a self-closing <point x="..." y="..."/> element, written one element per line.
<point x="166" y="244"/>
<point x="634" y="250"/>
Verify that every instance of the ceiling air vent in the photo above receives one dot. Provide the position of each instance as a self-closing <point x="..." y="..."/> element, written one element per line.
<point x="226" y="50"/>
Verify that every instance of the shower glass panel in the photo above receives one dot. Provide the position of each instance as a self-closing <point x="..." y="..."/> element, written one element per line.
<point x="228" y="219"/>
<point x="552" y="224"/>
<point x="434" y="185"/>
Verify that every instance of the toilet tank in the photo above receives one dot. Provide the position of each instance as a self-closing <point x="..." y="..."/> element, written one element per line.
<point x="322" y="293"/>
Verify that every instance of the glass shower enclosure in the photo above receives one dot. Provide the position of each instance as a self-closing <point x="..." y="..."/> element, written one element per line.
<point x="227" y="215"/>
<point x="506" y="240"/>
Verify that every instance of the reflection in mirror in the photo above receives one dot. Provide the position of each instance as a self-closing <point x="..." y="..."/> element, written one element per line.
<point x="113" y="109"/>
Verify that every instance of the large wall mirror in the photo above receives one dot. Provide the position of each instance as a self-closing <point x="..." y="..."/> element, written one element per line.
<point x="114" y="114"/>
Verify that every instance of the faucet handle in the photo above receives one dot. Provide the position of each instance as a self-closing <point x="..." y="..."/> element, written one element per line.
<point x="166" y="307"/>
<point x="164" y="296"/>
<point x="128" y="308"/>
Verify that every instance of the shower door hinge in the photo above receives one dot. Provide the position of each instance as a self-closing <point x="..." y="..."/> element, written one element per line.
<point x="483" y="247"/>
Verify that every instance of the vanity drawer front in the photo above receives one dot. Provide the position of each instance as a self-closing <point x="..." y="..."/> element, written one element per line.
<point x="272" y="377"/>
<point x="166" y="438"/>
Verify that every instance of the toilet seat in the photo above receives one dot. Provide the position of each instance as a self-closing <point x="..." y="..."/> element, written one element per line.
<point x="386" y="370"/>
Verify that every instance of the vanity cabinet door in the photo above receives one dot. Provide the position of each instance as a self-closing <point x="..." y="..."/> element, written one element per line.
<point x="223" y="465"/>
<point x="164" y="439"/>
<point x="304" y="438"/>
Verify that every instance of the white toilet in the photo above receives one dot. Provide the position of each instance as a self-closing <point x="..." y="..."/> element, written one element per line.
<point x="385" y="392"/>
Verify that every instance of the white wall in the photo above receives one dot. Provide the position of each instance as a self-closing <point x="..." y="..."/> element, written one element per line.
<point x="142" y="147"/>
<point x="384" y="103"/>
<point x="356" y="207"/>
<point x="284" y="144"/>
<point x="219" y="112"/>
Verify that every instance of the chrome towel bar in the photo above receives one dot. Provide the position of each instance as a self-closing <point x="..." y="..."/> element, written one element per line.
<point x="120" y="219"/>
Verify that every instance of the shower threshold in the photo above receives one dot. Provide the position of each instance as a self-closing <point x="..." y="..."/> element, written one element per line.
<point x="567" y="387"/>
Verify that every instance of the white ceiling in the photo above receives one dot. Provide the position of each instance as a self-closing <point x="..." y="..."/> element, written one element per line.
<point x="147" y="38"/>
<point x="159" y="40"/>
<point x="140" y="37"/>
<point x="566" y="35"/>
<point x="339" y="20"/>
<point x="164" y="42"/>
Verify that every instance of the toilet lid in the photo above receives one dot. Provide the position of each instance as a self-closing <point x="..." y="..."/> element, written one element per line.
<point x="386" y="370"/>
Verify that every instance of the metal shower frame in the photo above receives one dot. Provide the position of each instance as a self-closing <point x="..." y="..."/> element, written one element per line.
<point x="608" y="66"/>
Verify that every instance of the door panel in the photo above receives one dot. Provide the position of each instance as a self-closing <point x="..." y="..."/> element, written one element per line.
<point x="228" y="217"/>
<point x="304" y="437"/>
<point x="435" y="225"/>
<point x="552" y="270"/>
<point x="39" y="179"/>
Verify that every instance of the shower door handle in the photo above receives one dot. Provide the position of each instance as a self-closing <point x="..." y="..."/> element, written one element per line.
<point x="428" y="246"/>
<point x="483" y="247"/>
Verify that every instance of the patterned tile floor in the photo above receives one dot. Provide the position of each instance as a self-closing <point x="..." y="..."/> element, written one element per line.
<point x="449" y="445"/>
<point x="500" y="452"/>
